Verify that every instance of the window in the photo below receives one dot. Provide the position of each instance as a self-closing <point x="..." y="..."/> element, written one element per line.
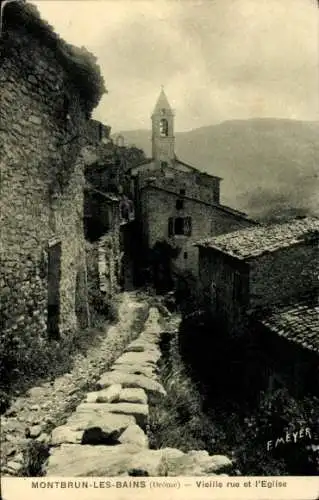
<point x="179" y="204"/>
<point x="164" y="127"/>
<point x="185" y="255"/>
<point x="180" y="226"/>
<point x="182" y="192"/>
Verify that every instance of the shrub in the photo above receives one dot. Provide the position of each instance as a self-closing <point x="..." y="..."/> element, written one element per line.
<point x="199" y="417"/>
<point x="34" y="457"/>
<point x="276" y="414"/>
<point x="178" y="420"/>
<point x="27" y="358"/>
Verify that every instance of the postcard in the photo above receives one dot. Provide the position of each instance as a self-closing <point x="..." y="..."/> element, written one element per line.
<point x="159" y="249"/>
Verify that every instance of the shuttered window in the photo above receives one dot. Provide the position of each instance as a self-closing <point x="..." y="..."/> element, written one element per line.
<point x="180" y="226"/>
<point x="187" y="226"/>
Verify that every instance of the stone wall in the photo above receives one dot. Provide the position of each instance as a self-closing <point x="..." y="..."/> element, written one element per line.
<point x="109" y="264"/>
<point x="271" y="278"/>
<point x="42" y="118"/>
<point x="104" y="260"/>
<point x="288" y="272"/>
<point x="196" y="184"/>
<point x="206" y="220"/>
<point x="225" y="280"/>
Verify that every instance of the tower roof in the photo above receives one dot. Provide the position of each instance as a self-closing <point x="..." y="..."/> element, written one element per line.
<point x="162" y="103"/>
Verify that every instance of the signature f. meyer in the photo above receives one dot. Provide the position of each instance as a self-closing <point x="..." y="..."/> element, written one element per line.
<point x="289" y="437"/>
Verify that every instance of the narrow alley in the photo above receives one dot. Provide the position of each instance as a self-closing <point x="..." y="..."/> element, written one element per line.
<point x="93" y="422"/>
<point x="159" y="278"/>
<point x="33" y="416"/>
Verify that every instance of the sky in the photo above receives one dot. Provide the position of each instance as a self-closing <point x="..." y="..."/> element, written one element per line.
<point x="217" y="59"/>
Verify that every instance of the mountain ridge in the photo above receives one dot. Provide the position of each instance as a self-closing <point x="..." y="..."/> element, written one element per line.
<point x="268" y="165"/>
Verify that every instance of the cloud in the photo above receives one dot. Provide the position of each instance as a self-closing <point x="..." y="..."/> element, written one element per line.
<point x="218" y="59"/>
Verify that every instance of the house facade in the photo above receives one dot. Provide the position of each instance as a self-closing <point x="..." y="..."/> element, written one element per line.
<point x="108" y="213"/>
<point x="265" y="279"/>
<point x="175" y="202"/>
<point x="46" y="98"/>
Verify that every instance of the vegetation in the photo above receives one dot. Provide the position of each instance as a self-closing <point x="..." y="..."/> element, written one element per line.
<point x="78" y="62"/>
<point x="26" y="359"/>
<point x="34" y="457"/>
<point x="178" y="420"/>
<point x="191" y="418"/>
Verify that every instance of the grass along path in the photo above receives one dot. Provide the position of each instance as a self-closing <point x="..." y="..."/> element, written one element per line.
<point x="26" y="425"/>
<point x="178" y="421"/>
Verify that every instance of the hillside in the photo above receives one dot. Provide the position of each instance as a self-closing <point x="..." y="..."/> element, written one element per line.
<point x="269" y="166"/>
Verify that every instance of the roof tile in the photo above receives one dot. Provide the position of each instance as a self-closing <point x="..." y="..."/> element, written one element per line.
<point x="298" y="322"/>
<point x="256" y="240"/>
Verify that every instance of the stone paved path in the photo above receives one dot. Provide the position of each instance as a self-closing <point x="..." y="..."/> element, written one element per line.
<point x="107" y="434"/>
<point x="43" y="407"/>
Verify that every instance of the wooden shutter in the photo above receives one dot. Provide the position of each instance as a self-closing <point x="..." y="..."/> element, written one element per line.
<point x="188" y="226"/>
<point x="170" y="226"/>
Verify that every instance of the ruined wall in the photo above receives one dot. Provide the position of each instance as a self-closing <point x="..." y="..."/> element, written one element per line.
<point x="41" y="118"/>
<point x="109" y="264"/>
<point x="104" y="259"/>
<point x="158" y="206"/>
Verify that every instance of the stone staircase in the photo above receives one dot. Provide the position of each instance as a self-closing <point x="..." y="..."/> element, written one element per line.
<point x="107" y="434"/>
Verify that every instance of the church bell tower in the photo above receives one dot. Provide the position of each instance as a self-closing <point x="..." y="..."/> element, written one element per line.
<point x="163" y="140"/>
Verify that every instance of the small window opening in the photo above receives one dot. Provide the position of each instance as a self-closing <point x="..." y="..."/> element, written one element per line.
<point x="185" y="255"/>
<point x="179" y="204"/>
<point x="182" y="192"/>
<point x="164" y="127"/>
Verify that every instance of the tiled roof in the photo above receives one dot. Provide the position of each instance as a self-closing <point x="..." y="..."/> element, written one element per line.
<point x="298" y="322"/>
<point x="256" y="240"/>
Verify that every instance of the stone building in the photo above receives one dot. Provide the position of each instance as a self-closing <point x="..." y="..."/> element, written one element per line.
<point x="265" y="280"/>
<point x="102" y="226"/>
<point x="175" y="202"/>
<point x="107" y="212"/>
<point x="48" y="90"/>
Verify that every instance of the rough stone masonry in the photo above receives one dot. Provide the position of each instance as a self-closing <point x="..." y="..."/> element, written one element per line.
<point x="107" y="434"/>
<point x="43" y="115"/>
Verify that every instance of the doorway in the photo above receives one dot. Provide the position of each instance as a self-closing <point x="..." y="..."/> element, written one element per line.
<point x="54" y="278"/>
